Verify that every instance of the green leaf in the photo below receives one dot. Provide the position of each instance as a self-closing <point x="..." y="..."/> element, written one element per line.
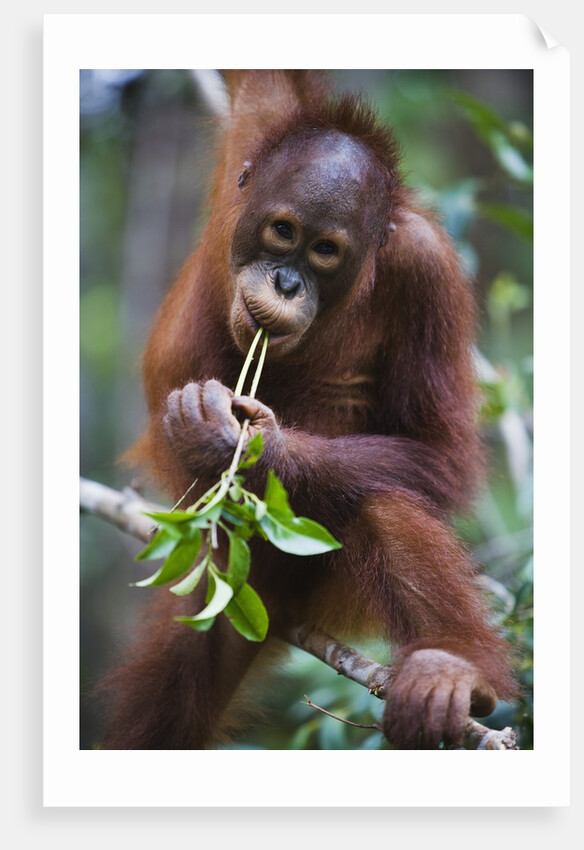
<point x="276" y="497"/>
<point x="510" y="159"/>
<point x="513" y="218"/>
<point x="219" y="595"/>
<point x="261" y="509"/>
<point x="298" y="536"/>
<point x="170" y="516"/>
<point x="478" y="112"/>
<point x="188" y="584"/>
<point x="242" y="516"/>
<point x="503" y="139"/>
<point x="205" y="516"/>
<point x="176" y="530"/>
<point x="179" y="528"/>
<point x="235" y="491"/>
<point x="238" y="563"/>
<point x="160" y="546"/>
<point x="178" y="562"/>
<point x="247" y="614"/>
<point x="493" y="402"/>
<point x="252" y="452"/>
<point x="173" y="520"/>
<point x="238" y="514"/>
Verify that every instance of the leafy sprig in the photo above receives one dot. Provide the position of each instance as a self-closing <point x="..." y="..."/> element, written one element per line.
<point x="188" y="539"/>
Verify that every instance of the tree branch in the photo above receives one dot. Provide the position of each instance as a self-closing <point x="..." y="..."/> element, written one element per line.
<point x="126" y="511"/>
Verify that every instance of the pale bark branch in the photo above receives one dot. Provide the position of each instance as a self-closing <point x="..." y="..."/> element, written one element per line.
<point x="126" y="511"/>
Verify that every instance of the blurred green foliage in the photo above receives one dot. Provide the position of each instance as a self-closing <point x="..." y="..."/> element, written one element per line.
<point x="467" y="148"/>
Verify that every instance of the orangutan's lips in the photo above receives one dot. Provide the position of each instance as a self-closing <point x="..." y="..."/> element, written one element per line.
<point x="273" y="338"/>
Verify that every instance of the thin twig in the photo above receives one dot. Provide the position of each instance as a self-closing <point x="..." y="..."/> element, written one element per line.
<point x="184" y="495"/>
<point x="342" y="719"/>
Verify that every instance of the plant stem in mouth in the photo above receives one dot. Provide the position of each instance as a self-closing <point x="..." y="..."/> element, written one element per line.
<point x="245" y="368"/>
<point x="260" y="366"/>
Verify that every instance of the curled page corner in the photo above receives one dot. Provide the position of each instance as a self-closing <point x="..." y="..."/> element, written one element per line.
<point x="549" y="41"/>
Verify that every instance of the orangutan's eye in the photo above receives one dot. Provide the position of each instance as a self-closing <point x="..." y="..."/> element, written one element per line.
<point x="284" y="230"/>
<point x="325" y="247"/>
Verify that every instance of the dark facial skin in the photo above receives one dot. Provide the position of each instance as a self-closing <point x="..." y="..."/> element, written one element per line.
<point x="303" y="238"/>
